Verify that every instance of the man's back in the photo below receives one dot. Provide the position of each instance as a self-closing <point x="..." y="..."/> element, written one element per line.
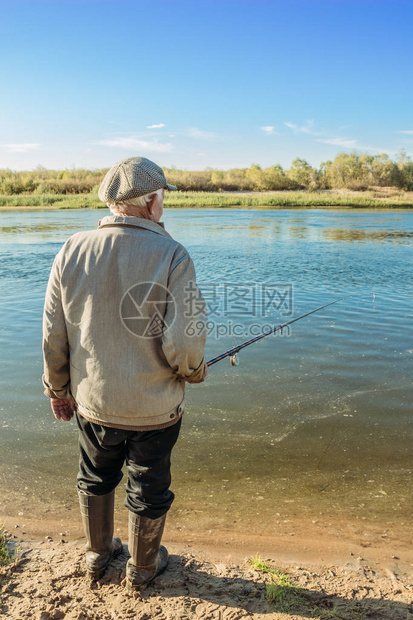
<point x="116" y="283"/>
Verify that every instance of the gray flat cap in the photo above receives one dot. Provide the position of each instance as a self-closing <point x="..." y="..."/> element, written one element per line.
<point x="131" y="178"/>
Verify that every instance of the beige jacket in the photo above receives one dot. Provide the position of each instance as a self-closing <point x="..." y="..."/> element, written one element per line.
<point x="121" y="333"/>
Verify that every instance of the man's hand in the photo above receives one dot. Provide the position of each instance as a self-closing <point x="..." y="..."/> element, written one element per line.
<point x="205" y="373"/>
<point x="63" y="408"/>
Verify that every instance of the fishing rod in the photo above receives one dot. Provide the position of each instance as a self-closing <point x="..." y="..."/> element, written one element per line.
<point x="232" y="353"/>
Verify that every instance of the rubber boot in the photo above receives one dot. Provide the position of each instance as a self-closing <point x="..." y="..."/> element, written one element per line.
<point x="148" y="557"/>
<point x="97" y="517"/>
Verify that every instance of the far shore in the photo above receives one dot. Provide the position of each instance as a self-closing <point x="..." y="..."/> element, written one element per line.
<point x="225" y="208"/>
<point x="217" y="208"/>
<point x="377" y="198"/>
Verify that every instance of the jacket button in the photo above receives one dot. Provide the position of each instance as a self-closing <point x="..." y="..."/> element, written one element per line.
<point x="172" y="415"/>
<point x="180" y="409"/>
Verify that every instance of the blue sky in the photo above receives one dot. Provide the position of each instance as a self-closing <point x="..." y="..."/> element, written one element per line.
<point x="196" y="83"/>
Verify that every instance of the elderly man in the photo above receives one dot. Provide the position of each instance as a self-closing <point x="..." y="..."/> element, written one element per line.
<point x="119" y="344"/>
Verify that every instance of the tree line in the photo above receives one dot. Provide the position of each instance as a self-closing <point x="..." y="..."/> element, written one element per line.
<point x="351" y="171"/>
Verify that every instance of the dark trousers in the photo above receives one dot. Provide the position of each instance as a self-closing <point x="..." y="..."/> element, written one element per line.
<point x="103" y="451"/>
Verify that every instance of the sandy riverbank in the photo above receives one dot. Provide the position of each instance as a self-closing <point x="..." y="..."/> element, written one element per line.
<point x="340" y="574"/>
<point x="48" y="583"/>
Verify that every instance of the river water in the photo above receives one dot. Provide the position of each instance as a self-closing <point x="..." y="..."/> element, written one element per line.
<point x="316" y="421"/>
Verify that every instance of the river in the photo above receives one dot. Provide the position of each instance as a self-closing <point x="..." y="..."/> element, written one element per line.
<point x="316" y="421"/>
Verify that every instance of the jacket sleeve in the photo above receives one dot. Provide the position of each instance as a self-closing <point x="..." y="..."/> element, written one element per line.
<point x="183" y="340"/>
<point x="56" y="377"/>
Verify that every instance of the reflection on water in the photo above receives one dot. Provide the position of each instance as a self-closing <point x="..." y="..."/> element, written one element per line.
<point x="316" y="422"/>
<point x="378" y="236"/>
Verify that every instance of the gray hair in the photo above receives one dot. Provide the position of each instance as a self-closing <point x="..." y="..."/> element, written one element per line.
<point x="133" y="205"/>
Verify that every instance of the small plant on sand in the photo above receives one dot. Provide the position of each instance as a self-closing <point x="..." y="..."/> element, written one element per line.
<point x="5" y="555"/>
<point x="280" y="589"/>
<point x="287" y="597"/>
<point x="6" y="560"/>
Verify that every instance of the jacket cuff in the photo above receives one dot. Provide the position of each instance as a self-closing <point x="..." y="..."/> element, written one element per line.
<point x="63" y="393"/>
<point x="51" y="394"/>
<point x="197" y="375"/>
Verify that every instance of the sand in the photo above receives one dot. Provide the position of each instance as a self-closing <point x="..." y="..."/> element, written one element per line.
<point x="47" y="582"/>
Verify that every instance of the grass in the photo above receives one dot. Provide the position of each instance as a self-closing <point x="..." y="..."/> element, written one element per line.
<point x="5" y="555"/>
<point x="280" y="589"/>
<point x="286" y="597"/>
<point x="59" y="201"/>
<point x="193" y="200"/>
<point x="6" y="559"/>
<point x="284" y="199"/>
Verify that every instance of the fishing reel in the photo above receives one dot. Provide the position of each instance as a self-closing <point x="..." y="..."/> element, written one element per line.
<point x="234" y="359"/>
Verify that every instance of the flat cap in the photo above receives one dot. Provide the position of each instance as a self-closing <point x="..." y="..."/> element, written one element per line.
<point x="131" y="178"/>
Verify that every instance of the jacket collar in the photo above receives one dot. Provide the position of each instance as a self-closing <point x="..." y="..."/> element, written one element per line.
<point x="138" y="222"/>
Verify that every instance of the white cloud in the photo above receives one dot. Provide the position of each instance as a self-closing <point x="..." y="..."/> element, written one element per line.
<point x="131" y="142"/>
<point x="268" y="129"/>
<point x="375" y="150"/>
<point x="158" y="126"/>
<point x="194" y="132"/>
<point x="409" y="132"/>
<point x="23" y="147"/>
<point x="323" y="136"/>
<point x="307" y="128"/>
<point x="348" y="144"/>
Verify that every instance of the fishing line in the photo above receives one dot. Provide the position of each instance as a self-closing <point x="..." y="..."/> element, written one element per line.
<point x="232" y="353"/>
